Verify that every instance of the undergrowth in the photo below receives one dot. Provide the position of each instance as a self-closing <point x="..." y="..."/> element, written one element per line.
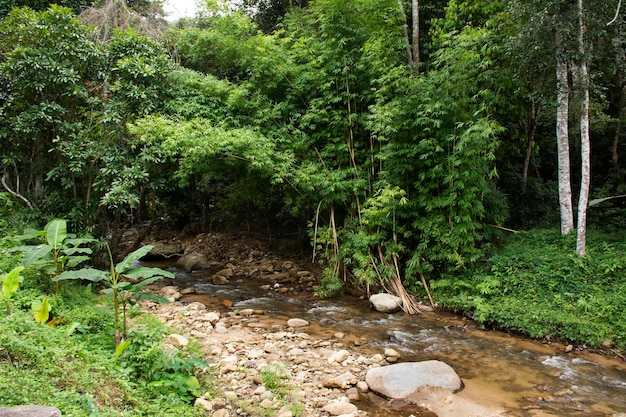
<point x="536" y="285"/>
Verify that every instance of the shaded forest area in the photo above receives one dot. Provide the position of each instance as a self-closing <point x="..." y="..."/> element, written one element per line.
<point x="412" y="144"/>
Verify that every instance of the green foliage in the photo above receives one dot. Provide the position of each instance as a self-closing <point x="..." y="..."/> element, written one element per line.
<point x="532" y="286"/>
<point x="59" y="250"/>
<point x="41" y="311"/>
<point x="10" y="284"/>
<point x="124" y="282"/>
<point x="74" y="373"/>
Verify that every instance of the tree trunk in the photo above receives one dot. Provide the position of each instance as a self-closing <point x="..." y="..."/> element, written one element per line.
<point x="585" y="142"/>
<point x="619" y="172"/>
<point x="530" y="138"/>
<point x="406" y="33"/>
<point x="416" y="36"/>
<point x="562" y="139"/>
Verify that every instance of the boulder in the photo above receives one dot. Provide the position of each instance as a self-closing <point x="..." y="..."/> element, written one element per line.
<point x="399" y="380"/>
<point x="30" y="411"/>
<point x="386" y="303"/>
<point x="446" y="404"/>
<point x="162" y="250"/>
<point x="193" y="261"/>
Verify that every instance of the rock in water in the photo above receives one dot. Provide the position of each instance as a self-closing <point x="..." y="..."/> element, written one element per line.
<point x="386" y="303"/>
<point x="400" y="380"/>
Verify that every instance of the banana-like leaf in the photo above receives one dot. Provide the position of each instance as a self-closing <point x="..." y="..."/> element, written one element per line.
<point x="140" y="296"/>
<point x="42" y="314"/>
<point x="143" y="284"/>
<point x="11" y="282"/>
<point x="89" y="274"/>
<point x="119" y="349"/>
<point x="147" y="272"/>
<point x="132" y="257"/>
<point x="71" y="328"/>
<point x="34" y="253"/>
<point x="75" y="260"/>
<point x="56" y="232"/>
<point x="79" y="241"/>
<point x="74" y="251"/>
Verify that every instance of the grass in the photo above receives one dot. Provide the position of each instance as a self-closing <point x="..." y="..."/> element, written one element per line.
<point x="536" y="285"/>
<point x="72" y="367"/>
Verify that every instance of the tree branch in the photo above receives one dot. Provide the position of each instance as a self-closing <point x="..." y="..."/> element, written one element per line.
<point x="15" y="193"/>
<point x="616" y="13"/>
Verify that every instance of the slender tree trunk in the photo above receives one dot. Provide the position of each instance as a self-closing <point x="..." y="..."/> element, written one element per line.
<point x="406" y="33"/>
<point x="619" y="173"/>
<point x="562" y="139"/>
<point x="530" y="138"/>
<point x="416" y="36"/>
<point x="585" y="141"/>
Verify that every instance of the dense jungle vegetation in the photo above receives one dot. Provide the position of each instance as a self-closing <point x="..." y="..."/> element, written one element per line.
<point x="414" y="152"/>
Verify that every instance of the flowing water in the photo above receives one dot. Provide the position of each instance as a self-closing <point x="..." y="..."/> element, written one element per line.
<point x="505" y="372"/>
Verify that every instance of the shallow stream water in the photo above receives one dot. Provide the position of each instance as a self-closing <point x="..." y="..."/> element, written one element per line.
<point x="505" y="372"/>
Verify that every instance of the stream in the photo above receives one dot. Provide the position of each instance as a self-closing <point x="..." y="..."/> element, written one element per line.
<point x="504" y="372"/>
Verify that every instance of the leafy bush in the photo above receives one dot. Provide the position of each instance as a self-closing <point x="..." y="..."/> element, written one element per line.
<point x="534" y="286"/>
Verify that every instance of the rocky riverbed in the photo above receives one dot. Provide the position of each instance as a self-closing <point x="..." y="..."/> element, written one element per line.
<point x="318" y="374"/>
<point x="325" y="376"/>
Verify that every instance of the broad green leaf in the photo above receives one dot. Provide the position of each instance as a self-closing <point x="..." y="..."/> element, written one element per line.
<point x="131" y="257"/>
<point x="56" y="232"/>
<point x="147" y="272"/>
<point x="43" y="312"/>
<point x="119" y="349"/>
<point x="75" y="260"/>
<point x="71" y="328"/>
<point x="193" y="386"/>
<point x="89" y="274"/>
<point x="35" y="253"/>
<point x="140" y="296"/>
<point x="11" y="282"/>
<point x="74" y="251"/>
<point x="143" y="284"/>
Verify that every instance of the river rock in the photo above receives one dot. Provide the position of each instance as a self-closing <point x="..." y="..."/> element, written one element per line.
<point x="342" y="381"/>
<point x="338" y="356"/>
<point x="163" y="250"/>
<point x="30" y="411"/>
<point x="193" y="261"/>
<point x="204" y="403"/>
<point x="340" y="407"/>
<point x="400" y="380"/>
<point x="386" y="303"/>
<point x="297" y="323"/>
<point x="219" y="280"/>
<point x="446" y="404"/>
<point x="177" y="340"/>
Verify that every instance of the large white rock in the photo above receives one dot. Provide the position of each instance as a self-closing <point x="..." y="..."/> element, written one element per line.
<point x="402" y="379"/>
<point x="386" y="303"/>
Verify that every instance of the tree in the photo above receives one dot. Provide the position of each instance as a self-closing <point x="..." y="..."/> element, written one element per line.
<point x="585" y="177"/>
<point x="416" y="34"/>
<point x="562" y="137"/>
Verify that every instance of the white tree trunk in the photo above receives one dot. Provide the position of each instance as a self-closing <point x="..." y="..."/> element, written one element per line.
<point x="416" y="35"/>
<point x="585" y="142"/>
<point x="562" y="140"/>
